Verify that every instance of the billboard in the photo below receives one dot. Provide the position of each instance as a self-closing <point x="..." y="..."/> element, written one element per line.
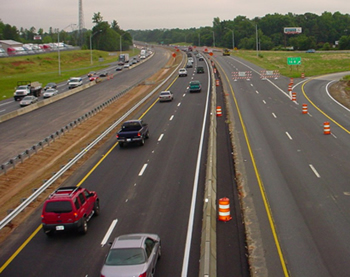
<point x="292" y="30"/>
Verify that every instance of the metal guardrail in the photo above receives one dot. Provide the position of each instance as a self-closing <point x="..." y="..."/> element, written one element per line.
<point x="49" y="182"/>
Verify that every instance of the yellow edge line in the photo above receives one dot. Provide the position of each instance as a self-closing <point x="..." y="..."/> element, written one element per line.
<point x="261" y="185"/>
<point x="317" y="108"/>
<point x="13" y="256"/>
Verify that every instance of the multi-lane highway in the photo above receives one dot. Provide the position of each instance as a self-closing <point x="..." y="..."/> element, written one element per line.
<point x="156" y="188"/>
<point x="294" y="177"/>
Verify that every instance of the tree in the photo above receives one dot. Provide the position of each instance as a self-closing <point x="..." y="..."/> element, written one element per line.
<point x="97" y="18"/>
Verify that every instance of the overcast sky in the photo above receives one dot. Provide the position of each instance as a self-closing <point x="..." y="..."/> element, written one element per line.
<point x="153" y="14"/>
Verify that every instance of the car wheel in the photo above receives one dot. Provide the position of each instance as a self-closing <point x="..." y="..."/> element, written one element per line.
<point x="147" y="135"/>
<point x="84" y="227"/>
<point x="142" y="142"/>
<point x="97" y="208"/>
<point x="160" y="252"/>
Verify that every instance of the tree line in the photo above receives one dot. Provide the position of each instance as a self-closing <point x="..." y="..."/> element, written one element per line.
<point x="326" y="31"/>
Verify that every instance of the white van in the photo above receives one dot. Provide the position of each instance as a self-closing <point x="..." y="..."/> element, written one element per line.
<point x="75" y="82"/>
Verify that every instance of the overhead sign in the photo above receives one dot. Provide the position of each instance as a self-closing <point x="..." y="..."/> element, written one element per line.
<point x="294" y="61"/>
<point x="292" y="30"/>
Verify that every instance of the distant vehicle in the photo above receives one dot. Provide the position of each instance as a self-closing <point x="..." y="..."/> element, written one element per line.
<point x="166" y="96"/>
<point x="200" y="69"/>
<point x="143" y="54"/>
<point x="189" y="65"/>
<point x="311" y="51"/>
<point x="226" y="52"/>
<point x="182" y="72"/>
<point x="91" y="73"/>
<point x="28" y="100"/>
<point x="133" y="131"/>
<point x="119" y="68"/>
<point x="50" y="85"/>
<point x="93" y="78"/>
<point x="133" y="255"/>
<point x="195" y="86"/>
<point x="190" y="48"/>
<point x="75" y="82"/>
<point x="50" y="92"/>
<point x="190" y="59"/>
<point x="3" y="53"/>
<point x="123" y="58"/>
<point x="69" y="208"/>
<point x="25" y="88"/>
<point x="201" y="58"/>
<point x="104" y="74"/>
<point x="126" y="65"/>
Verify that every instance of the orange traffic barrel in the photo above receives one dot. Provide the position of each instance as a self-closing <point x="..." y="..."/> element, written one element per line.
<point x="304" y="108"/>
<point x="218" y="111"/>
<point x="302" y="75"/>
<point x="217" y="83"/>
<point x="292" y="81"/>
<point x="224" y="209"/>
<point x="294" y="96"/>
<point x="326" y="128"/>
<point x="290" y="87"/>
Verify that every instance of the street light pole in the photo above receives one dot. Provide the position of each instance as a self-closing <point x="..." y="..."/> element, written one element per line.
<point x="58" y="41"/>
<point x="233" y="37"/>
<point x="213" y="39"/>
<point x="120" y="41"/>
<point x="99" y="31"/>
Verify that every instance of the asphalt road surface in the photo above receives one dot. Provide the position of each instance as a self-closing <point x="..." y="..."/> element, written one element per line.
<point x="296" y="178"/>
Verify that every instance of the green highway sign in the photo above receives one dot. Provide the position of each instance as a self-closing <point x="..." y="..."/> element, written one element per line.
<point x="294" y="61"/>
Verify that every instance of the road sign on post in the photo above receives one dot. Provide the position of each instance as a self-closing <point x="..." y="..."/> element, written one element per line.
<point x="294" y="61"/>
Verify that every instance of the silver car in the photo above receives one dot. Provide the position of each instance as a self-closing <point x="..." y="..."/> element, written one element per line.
<point x="166" y="96"/>
<point x="132" y="255"/>
<point x="50" y="92"/>
<point x="30" y="99"/>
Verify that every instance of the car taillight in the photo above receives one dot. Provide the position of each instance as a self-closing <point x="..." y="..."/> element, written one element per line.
<point x="102" y="275"/>
<point x="76" y="215"/>
<point x="143" y="274"/>
<point x="139" y="134"/>
<point x="117" y="136"/>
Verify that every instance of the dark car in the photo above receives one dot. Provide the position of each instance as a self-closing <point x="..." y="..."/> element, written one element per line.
<point x="119" y="68"/>
<point x="200" y="69"/>
<point x="103" y="74"/>
<point x="50" y="85"/>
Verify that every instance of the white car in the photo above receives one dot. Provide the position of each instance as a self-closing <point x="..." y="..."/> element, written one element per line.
<point x="166" y="96"/>
<point x="182" y="72"/>
<point x="50" y="92"/>
<point x="75" y="82"/>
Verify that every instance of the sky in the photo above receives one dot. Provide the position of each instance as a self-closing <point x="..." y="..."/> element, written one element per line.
<point x="152" y="14"/>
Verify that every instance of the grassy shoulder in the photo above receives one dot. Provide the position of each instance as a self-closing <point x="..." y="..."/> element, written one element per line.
<point x="44" y="68"/>
<point x="312" y="64"/>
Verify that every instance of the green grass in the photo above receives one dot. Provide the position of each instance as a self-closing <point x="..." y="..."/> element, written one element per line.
<point x="312" y="64"/>
<point x="44" y="68"/>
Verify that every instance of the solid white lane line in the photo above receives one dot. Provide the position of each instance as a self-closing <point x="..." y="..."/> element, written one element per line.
<point x="109" y="231"/>
<point x="143" y="169"/>
<point x="160" y="137"/>
<point x="289" y="136"/>
<point x="314" y="170"/>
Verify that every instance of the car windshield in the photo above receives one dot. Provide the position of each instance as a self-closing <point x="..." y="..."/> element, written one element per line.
<point x="165" y="93"/>
<point x="22" y="87"/>
<point x="74" y="80"/>
<point x="126" y="256"/>
<point x="27" y="98"/>
<point x="58" y="207"/>
<point x="50" y="90"/>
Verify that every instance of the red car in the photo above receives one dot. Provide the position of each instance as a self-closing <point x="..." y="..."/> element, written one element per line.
<point x="93" y="78"/>
<point x="69" y="208"/>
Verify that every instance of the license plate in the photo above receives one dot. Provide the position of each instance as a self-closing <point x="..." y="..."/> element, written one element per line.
<point x="128" y="139"/>
<point x="59" y="228"/>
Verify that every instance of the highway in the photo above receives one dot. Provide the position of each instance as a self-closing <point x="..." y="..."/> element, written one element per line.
<point x="155" y="188"/>
<point x="294" y="177"/>
<point x="22" y="132"/>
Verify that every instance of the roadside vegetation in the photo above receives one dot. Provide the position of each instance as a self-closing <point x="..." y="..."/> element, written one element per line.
<point x="44" y="68"/>
<point x="312" y="64"/>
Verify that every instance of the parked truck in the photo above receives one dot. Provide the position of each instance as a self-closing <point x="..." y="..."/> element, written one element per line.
<point x="226" y="52"/>
<point x="25" y="88"/>
<point x="123" y="58"/>
<point x="133" y="131"/>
